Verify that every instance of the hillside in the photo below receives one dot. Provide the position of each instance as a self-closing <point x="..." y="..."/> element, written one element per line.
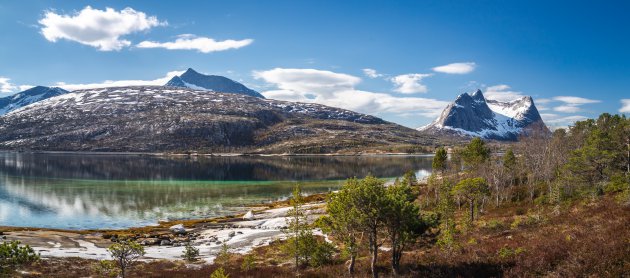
<point x="167" y="119"/>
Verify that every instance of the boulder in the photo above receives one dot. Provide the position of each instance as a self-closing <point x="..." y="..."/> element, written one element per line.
<point x="178" y="229"/>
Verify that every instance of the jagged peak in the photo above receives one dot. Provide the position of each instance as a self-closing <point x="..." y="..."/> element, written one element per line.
<point x="477" y="95"/>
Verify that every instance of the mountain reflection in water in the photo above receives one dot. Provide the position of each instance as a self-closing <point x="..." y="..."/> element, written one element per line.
<point x="80" y="191"/>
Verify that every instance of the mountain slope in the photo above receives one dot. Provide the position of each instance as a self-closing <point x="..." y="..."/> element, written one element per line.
<point x="194" y="80"/>
<point x="472" y="115"/>
<point x="167" y="119"/>
<point x="24" y="98"/>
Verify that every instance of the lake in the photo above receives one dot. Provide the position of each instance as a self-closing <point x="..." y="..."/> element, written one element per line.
<point x="113" y="191"/>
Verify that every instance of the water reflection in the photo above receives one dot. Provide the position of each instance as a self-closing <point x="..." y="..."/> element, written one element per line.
<point x="115" y="191"/>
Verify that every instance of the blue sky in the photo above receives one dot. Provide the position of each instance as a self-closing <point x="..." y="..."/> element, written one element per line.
<point x="400" y="60"/>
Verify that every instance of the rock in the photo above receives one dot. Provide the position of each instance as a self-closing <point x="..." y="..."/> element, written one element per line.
<point x="178" y="229"/>
<point x="248" y="215"/>
<point x="232" y="234"/>
<point x="148" y="241"/>
<point x="165" y="242"/>
<point x="239" y="232"/>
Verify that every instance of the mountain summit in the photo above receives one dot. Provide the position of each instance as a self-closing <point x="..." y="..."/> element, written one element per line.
<point x="24" y="98"/>
<point x="474" y="115"/>
<point x="194" y="80"/>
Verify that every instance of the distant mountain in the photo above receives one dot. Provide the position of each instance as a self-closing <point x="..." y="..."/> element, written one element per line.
<point x="32" y="95"/>
<point x="472" y="115"/>
<point x="194" y="80"/>
<point x="168" y="119"/>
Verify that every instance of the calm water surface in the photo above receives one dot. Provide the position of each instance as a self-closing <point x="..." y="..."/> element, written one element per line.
<point x="83" y="191"/>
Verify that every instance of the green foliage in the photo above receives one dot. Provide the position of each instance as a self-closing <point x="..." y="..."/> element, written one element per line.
<point x="249" y="262"/>
<point x="322" y="255"/>
<point x="471" y="189"/>
<point x="495" y="224"/>
<point x="125" y="254"/>
<point x="509" y="160"/>
<point x="506" y="252"/>
<point x="106" y="268"/>
<point x="440" y="160"/>
<point x="190" y="253"/>
<point x="219" y="273"/>
<point x="475" y="153"/>
<point x="12" y="255"/>
<point x="446" y="209"/>
<point x="300" y="240"/>
<point x="224" y="255"/>
<point x="402" y="220"/>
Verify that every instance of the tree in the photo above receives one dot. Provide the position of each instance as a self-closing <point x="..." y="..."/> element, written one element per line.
<point x="249" y="262"/>
<point x="446" y="210"/>
<point x="402" y="220"/>
<point x="475" y="153"/>
<point x="471" y="189"/>
<point x="344" y="221"/>
<point x="440" y="160"/>
<point x="190" y="253"/>
<point x="369" y="200"/>
<point x="13" y="255"/>
<point x="224" y="255"/>
<point x="125" y="254"/>
<point x="300" y="242"/>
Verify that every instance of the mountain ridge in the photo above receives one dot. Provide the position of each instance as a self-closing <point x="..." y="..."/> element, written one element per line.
<point x="198" y="81"/>
<point x="472" y="115"/>
<point x="29" y="96"/>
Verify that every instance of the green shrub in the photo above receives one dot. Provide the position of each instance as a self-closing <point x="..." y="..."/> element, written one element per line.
<point x="190" y="253"/>
<point x="12" y="255"/>
<point x="219" y="273"/>
<point x="224" y="255"/>
<point x="495" y="224"/>
<point x="249" y="262"/>
<point x="323" y="254"/>
<point x="125" y="254"/>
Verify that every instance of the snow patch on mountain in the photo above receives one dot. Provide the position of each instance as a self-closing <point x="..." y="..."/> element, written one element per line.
<point x="472" y="115"/>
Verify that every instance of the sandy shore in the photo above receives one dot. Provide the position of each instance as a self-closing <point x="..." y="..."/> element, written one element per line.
<point x="240" y="234"/>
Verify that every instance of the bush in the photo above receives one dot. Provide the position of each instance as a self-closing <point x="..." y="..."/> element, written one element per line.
<point x="494" y="224"/>
<point x="125" y="254"/>
<point x="190" y="253"/>
<point x="249" y="262"/>
<point x="224" y="255"/>
<point x="13" y="255"/>
<point x="219" y="273"/>
<point x="323" y="254"/>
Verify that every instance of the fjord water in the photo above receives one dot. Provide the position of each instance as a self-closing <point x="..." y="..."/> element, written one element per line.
<point x="94" y="191"/>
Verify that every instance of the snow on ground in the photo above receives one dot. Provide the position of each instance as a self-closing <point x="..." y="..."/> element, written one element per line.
<point x="241" y="237"/>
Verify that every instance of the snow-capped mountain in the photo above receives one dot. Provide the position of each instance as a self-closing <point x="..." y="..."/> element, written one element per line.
<point x="473" y="115"/>
<point x="197" y="81"/>
<point x="24" y="98"/>
<point x="170" y="119"/>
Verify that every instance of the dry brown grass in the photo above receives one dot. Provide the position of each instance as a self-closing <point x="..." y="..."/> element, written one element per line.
<point x="585" y="240"/>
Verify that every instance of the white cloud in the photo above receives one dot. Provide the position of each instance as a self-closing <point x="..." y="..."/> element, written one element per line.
<point x="456" y="68"/>
<point x="102" y="29"/>
<point x="338" y="90"/>
<point x="502" y="92"/>
<point x="575" y="100"/>
<point x="201" y="44"/>
<point x="625" y="106"/>
<point x="572" y="104"/>
<point x="6" y="86"/>
<point x="555" y="121"/>
<point x="410" y="83"/>
<point x="118" y="83"/>
<point x="371" y="73"/>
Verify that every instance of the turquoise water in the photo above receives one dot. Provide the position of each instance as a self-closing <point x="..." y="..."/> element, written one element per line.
<point x="86" y="191"/>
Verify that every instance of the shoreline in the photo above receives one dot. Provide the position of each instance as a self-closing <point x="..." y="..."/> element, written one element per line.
<point x="167" y="154"/>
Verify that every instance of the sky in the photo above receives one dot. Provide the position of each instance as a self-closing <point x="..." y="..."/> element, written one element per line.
<point x="403" y="61"/>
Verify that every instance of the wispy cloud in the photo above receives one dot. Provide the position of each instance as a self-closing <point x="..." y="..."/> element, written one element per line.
<point x="572" y="104"/>
<point x="101" y="29"/>
<point x="339" y="90"/>
<point x="410" y="83"/>
<point x="502" y="92"/>
<point x="371" y="73"/>
<point x="201" y="44"/>
<point x="119" y="83"/>
<point x="557" y="121"/>
<point x="456" y="68"/>
<point x="625" y="106"/>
